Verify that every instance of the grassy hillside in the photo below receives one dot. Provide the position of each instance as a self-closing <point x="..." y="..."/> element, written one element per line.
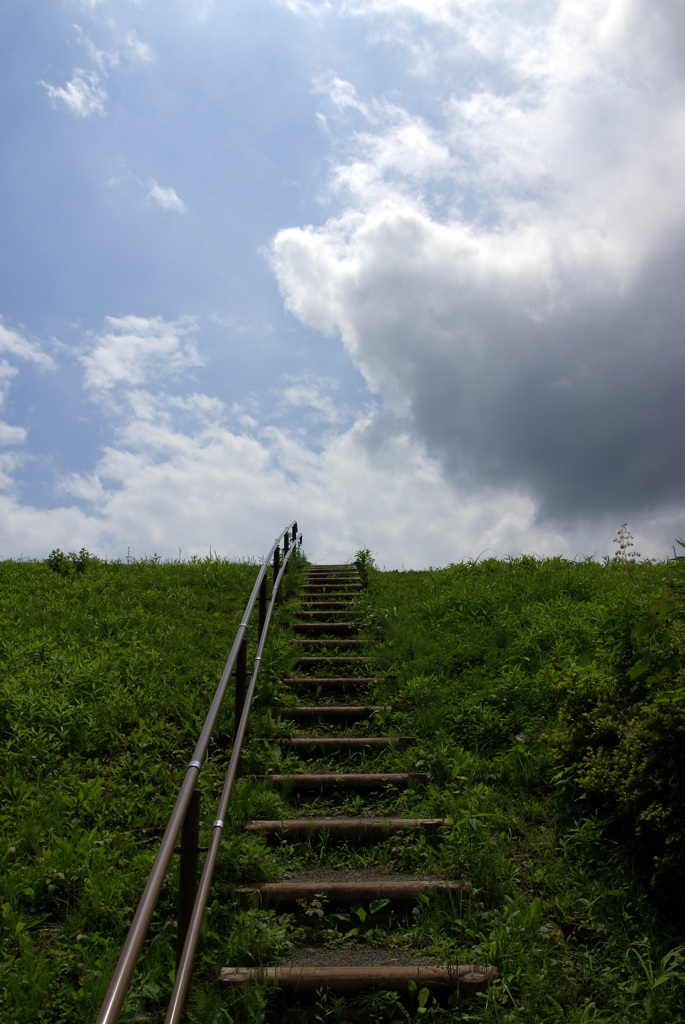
<point x="107" y="673"/>
<point x="547" y="701"/>
<point x="550" y="698"/>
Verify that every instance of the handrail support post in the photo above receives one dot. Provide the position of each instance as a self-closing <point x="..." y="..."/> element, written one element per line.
<point x="187" y="870"/>
<point x="240" y="681"/>
<point x="262" y="605"/>
<point x="277" y="563"/>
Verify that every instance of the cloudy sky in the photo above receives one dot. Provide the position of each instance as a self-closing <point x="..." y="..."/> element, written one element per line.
<point x="409" y="271"/>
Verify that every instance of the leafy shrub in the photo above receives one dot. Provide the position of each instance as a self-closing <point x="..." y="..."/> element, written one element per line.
<point x="621" y="727"/>
<point x="68" y="565"/>
<point x="581" y="662"/>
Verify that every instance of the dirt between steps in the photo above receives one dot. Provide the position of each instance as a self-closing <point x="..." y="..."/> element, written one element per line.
<point x="354" y="955"/>
<point x="323" y="875"/>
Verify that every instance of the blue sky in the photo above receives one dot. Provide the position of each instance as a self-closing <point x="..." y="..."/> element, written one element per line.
<point x="409" y="271"/>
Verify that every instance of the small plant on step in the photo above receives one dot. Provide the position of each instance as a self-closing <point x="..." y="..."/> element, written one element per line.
<point x="329" y="1007"/>
<point x="364" y="561"/>
<point x="651" y="979"/>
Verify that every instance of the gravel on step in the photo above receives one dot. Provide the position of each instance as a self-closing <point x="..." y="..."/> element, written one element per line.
<point x="323" y="875"/>
<point x="353" y="955"/>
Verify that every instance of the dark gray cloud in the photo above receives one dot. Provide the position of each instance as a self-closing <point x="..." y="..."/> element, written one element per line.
<point x="585" y="412"/>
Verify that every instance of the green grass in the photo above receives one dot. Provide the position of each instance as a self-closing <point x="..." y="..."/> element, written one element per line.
<point x="547" y="699"/>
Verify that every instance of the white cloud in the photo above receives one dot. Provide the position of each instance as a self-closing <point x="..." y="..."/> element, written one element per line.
<point x="9" y="463"/>
<point x="392" y="149"/>
<point x="150" y="192"/>
<point x="165" y="197"/>
<point x="161" y="488"/>
<point x="136" y="50"/>
<point x="136" y="349"/>
<point x="84" y="95"/>
<point x="307" y="6"/>
<point x="13" y="343"/>
<point x="158" y="488"/>
<point x="342" y="95"/>
<point x="89" y="5"/>
<point x="178" y="472"/>
<point x="7" y="375"/>
<point x="29" y="532"/>
<point x="11" y="435"/>
<point x="126" y="48"/>
<point x="310" y="394"/>
<point x="201" y="10"/>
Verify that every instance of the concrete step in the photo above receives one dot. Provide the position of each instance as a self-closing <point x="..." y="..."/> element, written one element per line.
<point x="358" y="782"/>
<point x="358" y="828"/>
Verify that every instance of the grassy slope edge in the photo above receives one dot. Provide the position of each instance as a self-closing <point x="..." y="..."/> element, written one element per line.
<point x="549" y="696"/>
<point x="107" y="673"/>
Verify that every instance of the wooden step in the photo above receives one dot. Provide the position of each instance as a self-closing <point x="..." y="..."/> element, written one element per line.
<point x="335" y="661"/>
<point x="316" y="614"/>
<point x="349" y="567"/>
<point x="325" y="578"/>
<point x="468" y="978"/>
<point x="337" y="744"/>
<point x="360" y="782"/>
<point x="327" y="605"/>
<point x="322" y="580"/>
<point x="334" y="643"/>
<point x="327" y="627"/>
<point x="291" y="893"/>
<point x="305" y="618"/>
<point x="356" y="828"/>
<point x="321" y="590"/>
<point x="329" y="712"/>
<point x="331" y="591"/>
<point x="329" y="684"/>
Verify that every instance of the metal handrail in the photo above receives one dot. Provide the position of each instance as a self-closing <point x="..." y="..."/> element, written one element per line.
<point x="185" y="965"/>
<point x="123" y="972"/>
